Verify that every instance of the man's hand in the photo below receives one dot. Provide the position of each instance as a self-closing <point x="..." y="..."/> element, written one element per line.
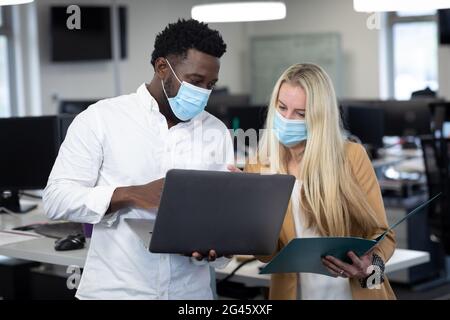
<point x="212" y="256"/>
<point x="145" y="196"/>
<point x="148" y="196"/>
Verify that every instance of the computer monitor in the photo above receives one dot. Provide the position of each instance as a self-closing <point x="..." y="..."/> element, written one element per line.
<point x="74" y="106"/>
<point x="242" y="120"/>
<point x="219" y="103"/>
<point x="246" y="117"/>
<point x="65" y="120"/>
<point x="407" y="118"/>
<point x="366" y="123"/>
<point x="93" y="36"/>
<point x="29" y="147"/>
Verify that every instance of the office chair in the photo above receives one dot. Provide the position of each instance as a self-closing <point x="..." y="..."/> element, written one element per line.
<point x="436" y="158"/>
<point x="426" y="93"/>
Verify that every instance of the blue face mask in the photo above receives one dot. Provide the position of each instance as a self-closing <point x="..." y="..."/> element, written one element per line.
<point x="189" y="101"/>
<point x="289" y="132"/>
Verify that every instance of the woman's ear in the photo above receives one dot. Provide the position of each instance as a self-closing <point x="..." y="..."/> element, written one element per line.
<point x="161" y="68"/>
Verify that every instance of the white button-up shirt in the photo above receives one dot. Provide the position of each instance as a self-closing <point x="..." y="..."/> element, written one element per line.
<point x="125" y="141"/>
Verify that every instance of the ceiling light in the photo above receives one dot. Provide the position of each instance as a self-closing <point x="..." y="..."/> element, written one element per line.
<point x="11" y="2"/>
<point x="399" y="5"/>
<point x="239" y="11"/>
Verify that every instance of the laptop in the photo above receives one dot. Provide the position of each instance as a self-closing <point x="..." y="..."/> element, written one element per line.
<point x="232" y="213"/>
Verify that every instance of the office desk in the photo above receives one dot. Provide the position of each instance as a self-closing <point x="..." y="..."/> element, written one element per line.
<point x="397" y="155"/>
<point x="42" y="250"/>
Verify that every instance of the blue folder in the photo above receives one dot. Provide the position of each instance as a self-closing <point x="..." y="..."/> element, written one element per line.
<point x="305" y="254"/>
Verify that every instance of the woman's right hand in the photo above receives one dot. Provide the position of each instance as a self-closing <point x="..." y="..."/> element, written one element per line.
<point x="233" y="168"/>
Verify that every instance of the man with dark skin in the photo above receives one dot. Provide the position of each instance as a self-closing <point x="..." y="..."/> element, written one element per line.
<point x="113" y="160"/>
<point x="199" y="69"/>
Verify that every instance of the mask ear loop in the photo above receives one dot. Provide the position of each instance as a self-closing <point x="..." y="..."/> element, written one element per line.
<point x="162" y="82"/>
<point x="164" y="89"/>
<point x="172" y="70"/>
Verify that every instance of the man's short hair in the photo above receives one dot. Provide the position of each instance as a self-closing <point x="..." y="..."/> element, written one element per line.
<point x="177" y="38"/>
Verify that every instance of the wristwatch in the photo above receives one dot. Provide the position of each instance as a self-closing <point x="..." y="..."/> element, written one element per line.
<point x="378" y="262"/>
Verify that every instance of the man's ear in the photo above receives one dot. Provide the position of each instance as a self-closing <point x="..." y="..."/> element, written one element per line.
<point x="161" y="68"/>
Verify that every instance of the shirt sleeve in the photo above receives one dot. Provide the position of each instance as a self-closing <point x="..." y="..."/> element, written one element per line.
<point x="71" y="192"/>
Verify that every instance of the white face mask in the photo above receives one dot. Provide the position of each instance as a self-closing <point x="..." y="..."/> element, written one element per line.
<point x="189" y="101"/>
<point x="289" y="132"/>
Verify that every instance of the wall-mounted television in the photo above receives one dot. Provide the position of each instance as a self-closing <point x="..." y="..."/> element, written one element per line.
<point x="92" y="41"/>
<point x="444" y="26"/>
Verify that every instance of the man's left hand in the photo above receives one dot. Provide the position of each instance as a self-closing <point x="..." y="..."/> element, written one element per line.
<point x="212" y="256"/>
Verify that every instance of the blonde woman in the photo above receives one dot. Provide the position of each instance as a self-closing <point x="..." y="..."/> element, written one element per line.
<point x="336" y="192"/>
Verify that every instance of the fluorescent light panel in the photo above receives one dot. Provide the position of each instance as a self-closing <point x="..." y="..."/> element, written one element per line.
<point x="399" y="5"/>
<point x="11" y="2"/>
<point x="239" y="11"/>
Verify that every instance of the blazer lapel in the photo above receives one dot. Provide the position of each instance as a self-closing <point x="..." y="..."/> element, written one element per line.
<point x="288" y="230"/>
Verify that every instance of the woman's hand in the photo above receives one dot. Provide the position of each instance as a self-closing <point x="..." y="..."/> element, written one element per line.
<point x="232" y="168"/>
<point x="358" y="269"/>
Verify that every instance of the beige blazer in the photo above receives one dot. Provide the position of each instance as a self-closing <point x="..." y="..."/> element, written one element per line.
<point x="284" y="286"/>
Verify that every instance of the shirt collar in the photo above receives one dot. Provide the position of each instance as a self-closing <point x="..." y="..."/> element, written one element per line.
<point x="146" y="98"/>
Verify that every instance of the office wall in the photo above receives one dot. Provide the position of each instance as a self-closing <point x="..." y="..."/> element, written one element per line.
<point x="145" y="19"/>
<point x="359" y="44"/>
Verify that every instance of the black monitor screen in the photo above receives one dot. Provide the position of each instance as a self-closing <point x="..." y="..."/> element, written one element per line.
<point x="407" y="118"/>
<point x="65" y="120"/>
<point x="92" y="41"/>
<point x="444" y="26"/>
<point x="247" y="117"/>
<point x="367" y="124"/>
<point x="29" y="147"/>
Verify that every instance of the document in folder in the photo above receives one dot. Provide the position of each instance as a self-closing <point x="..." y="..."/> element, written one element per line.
<point x="305" y="254"/>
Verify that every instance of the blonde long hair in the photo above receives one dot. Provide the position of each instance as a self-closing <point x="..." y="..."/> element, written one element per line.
<point x="331" y="199"/>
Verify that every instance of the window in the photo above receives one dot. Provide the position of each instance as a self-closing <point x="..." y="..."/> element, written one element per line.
<point x="5" y="101"/>
<point x="414" y="53"/>
<point x="416" y="13"/>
